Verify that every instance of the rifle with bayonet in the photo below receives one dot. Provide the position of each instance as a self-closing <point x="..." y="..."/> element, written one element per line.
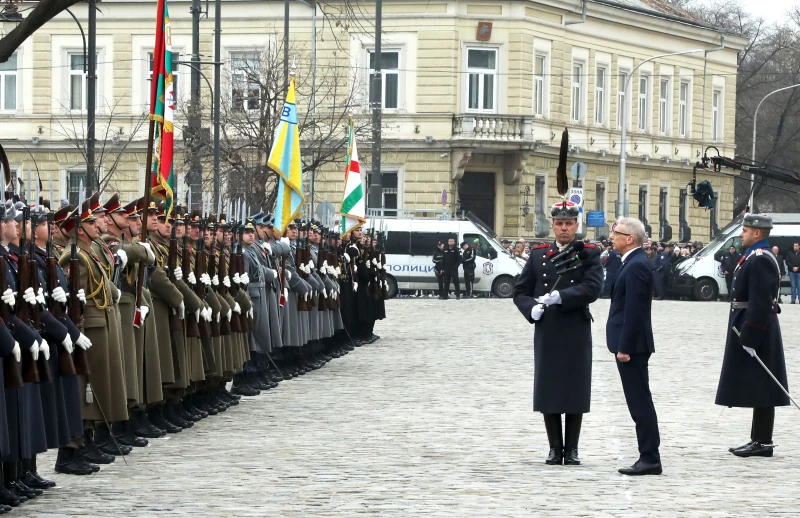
<point x="200" y="264"/>
<point x="223" y="327"/>
<point x="11" y="373"/>
<point x="29" y="313"/>
<point x="74" y="310"/>
<point x="66" y="367"/>
<point x="172" y="264"/>
<point x="192" y="325"/>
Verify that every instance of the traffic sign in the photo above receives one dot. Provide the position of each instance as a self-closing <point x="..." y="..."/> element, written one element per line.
<point x="578" y="170"/>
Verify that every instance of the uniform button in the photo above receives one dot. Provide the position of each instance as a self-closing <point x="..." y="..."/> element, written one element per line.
<point x="542" y="264"/>
<point x="545" y="285"/>
<point x="544" y="275"/>
<point x="571" y="281"/>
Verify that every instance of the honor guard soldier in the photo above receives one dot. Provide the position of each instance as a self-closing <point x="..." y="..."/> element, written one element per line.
<point x="553" y="292"/>
<point x="754" y="330"/>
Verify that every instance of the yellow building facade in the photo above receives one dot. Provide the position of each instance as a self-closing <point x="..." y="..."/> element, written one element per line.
<point x="476" y="97"/>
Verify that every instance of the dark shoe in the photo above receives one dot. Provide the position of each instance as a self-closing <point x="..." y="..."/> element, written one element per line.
<point x="114" y="448"/>
<point x="642" y="468"/>
<point x="5" y="509"/>
<point x="148" y="429"/>
<point x="21" y="490"/>
<point x="754" y="449"/>
<point x="242" y="389"/>
<point x="171" y="416"/>
<point x="69" y="462"/>
<point x="34" y="481"/>
<point x="192" y="407"/>
<point x="740" y="447"/>
<point x="90" y="453"/>
<point x="158" y="420"/>
<point x="9" y="498"/>
<point x="556" y="457"/>
<point x="571" y="457"/>
<point x="30" y="492"/>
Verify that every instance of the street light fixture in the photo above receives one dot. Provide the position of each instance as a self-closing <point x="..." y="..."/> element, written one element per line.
<point x="753" y="152"/>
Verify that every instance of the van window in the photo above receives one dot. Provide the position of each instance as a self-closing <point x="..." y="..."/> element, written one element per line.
<point x="485" y="249"/>
<point x="398" y="243"/>
<point x="424" y="243"/>
<point x="734" y="241"/>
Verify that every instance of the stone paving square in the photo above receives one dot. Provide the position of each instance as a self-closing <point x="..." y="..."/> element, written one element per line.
<point x="435" y="419"/>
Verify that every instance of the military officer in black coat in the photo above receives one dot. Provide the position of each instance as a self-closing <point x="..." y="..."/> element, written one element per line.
<point x="558" y="306"/>
<point x="754" y="314"/>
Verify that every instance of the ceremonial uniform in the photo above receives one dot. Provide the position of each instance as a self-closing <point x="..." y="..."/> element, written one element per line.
<point x="754" y="314"/>
<point x="562" y="340"/>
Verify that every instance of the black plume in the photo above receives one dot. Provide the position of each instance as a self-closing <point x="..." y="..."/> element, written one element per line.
<point x="562" y="183"/>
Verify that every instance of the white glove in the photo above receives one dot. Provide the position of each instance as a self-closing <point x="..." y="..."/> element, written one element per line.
<point x="228" y="316"/>
<point x="324" y="293"/>
<point x="208" y="314"/>
<point x="215" y="280"/>
<point x="197" y="314"/>
<point x="59" y="295"/>
<point x="182" y="311"/>
<point x="84" y="343"/>
<point x="9" y="298"/>
<point x="205" y="279"/>
<point x="244" y="279"/>
<point x="375" y="261"/>
<point x="67" y="343"/>
<point x="44" y="348"/>
<point x="250" y="312"/>
<point x="35" y="350"/>
<point x="552" y="298"/>
<point x="237" y="308"/>
<point x="29" y="296"/>
<point x="219" y="315"/>
<point x="355" y="287"/>
<point x="310" y="265"/>
<point x="81" y="295"/>
<point x="306" y="297"/>
<point x="379" y="265"/>
<point x="346" y="257"/>
<point x="750" y="351"/>
<point x="123" y="258"/>
<point x="355" y="268"/>
<point x="119" y="295"/>
<point x="178" y="273"/>
<point x="288" y="276"/>
<point x="40" y="296"/>
<point x="338" y="271"/>
<point x="324" y="266"/>
<point x="286" y="293"/>
<point x="191" y="278"/>
<point x="144" y="310"/>
<point x="285" y="240"/>
<point x="227" y="280"/>
<point x="151" y="257"/>
<point x="16" y="352"/>
<point x="537" y="311"/>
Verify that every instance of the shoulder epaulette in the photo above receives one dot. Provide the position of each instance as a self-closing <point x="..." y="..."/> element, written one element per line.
<point x="543" y="245"/>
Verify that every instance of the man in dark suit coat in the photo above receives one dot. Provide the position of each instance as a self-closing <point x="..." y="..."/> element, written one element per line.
<point x="629" y="335"/>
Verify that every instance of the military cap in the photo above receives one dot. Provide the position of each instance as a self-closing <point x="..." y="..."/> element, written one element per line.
<point x="113" y="204"/>
<point x="132" y="209"/>
<point x="257" y="217"/>
<point x="757" y="221"/>
<point x="564" y="210"/>
<point x="86" y="216"/>
<point x="9" y="212"/>
<point x="62" y="214"/>
<point x="162" y="212"/>
<point x="222" y="222"/>
<point x="293" y="224"/>
<point x="249" y="226"/>
<point x="151" y="207"/>
<point x="269" y="220"/>
<point x="195" y="217"/>
<point x="94" y="203"/>
<point x="18" y="211"/>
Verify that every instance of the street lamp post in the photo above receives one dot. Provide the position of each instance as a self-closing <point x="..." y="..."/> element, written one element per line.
<point x="620" y="206"/>
<point x="753" y="152"/>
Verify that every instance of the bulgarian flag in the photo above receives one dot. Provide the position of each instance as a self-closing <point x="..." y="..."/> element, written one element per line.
<point x="353" y="209"/>
<point x="162" y="110"/>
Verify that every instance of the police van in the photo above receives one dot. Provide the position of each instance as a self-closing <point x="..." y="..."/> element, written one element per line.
<point x="701" y="276"/>
<point x="411" y="242"/>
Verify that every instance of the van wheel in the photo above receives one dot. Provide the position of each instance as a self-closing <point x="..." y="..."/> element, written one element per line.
<point x="503" y="287"/>
<point x="705" y="290"/>
<point x="391" y="291"/>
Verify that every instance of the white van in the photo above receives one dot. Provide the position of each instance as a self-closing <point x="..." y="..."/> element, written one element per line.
<point x="411" y="242"/>
<point x="701" y="277"/>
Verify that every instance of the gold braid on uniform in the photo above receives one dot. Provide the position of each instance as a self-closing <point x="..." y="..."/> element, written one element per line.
<point x="100" y="285"/>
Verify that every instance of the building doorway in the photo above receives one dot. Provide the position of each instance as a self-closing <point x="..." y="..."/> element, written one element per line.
<point x="476" y="193"/>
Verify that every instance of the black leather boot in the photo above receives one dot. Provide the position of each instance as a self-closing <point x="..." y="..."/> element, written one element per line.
<point x="552" y="424"/>
<point x="69" y="462"/>
<point x="572" y="433"/>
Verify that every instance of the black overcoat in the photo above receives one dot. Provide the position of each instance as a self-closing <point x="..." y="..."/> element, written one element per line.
<point x="562" y="338"/>
<point x="743" y="382"/>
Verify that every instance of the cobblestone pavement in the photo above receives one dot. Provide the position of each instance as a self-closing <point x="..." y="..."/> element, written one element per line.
<point x="436" y="418"/>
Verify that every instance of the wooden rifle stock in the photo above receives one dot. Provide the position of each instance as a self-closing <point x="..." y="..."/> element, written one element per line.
<point x="222" y="271"/>
<point x="282" y="298"/>
<point x="11" y="373"/>
<point x="208" y="329"/>
<point x="42" y="364"/>
<point x="66" y="367"/>
<point x="192" y="325"/>
<point x="172" y="263"/>
<point x="80" y="358"/>
<point x="223" y="327"/>
<point x="30" y="373"/>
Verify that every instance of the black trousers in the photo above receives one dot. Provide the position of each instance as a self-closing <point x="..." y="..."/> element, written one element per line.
<point x="448" y="276"/>
<point x="469" y="281"/>
<point x="763" y="424"/>
<point x="552" y="424"/>
<point x="440" y="279"/>
<point x="636" y="386"/>
<point x="728" y="283"/>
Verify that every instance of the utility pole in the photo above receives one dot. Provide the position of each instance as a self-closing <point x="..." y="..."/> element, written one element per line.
<point x="217" y="81"/>
<point x="286" y="44"/>
<point x="92" y="181"/>
<point x="374" y="198"/>
<point x="195" y="176"/>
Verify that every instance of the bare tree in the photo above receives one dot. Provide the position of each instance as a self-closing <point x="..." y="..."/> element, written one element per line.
<point x="71" y="126"/>
<point x="43" y="12"/>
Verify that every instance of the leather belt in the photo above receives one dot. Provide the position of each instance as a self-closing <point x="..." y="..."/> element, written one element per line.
<point x="744" y="305"/>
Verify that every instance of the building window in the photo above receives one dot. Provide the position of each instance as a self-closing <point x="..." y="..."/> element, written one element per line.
<point x="600" y="97"/>
<point x="74" y="179"/>
<point x="644" y="102"/>
<point x="644" y="208"/>
<point x="716" y="116"/>
<point x="663" y="107"/>
<point x="600" y="195"/>
<point x="539" y="94"/>
<point x="8" y="84"/>
<point x="663" y="211"/>
<point x="245" y="84"/>
<point x="622" y="100"/>
<point x="577" y="92"/>
<point x="482" y="77"/>
<point x="78" y="83"/>
<point x="176" y="57"/>
<point x="389" y="193"/>
<point x="390" y="74"/>
<point x="683" y="109"/>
